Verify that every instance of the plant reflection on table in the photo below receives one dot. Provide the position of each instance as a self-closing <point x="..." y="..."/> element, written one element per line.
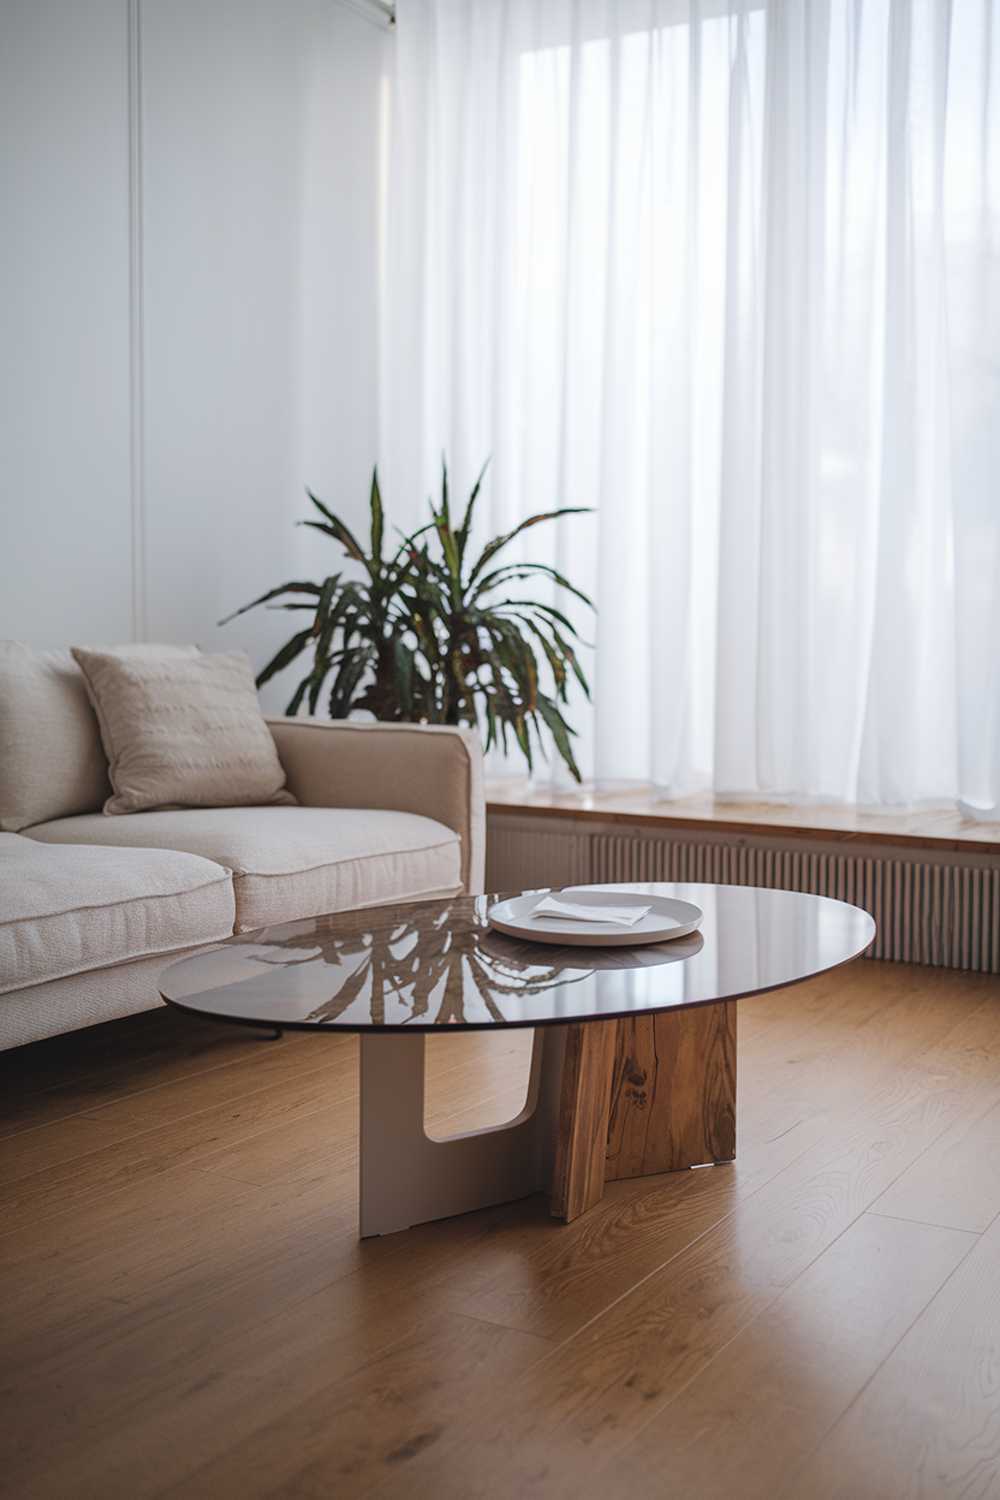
<point x="436" y="954"/>
<point x="409" y="959"/>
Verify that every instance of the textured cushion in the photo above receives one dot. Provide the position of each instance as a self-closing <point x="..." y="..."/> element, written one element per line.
<point x="182" y="733"/>
<point x="291" y="862"/>
<point x="52" y="764"/>
<point x="64" y="911"/>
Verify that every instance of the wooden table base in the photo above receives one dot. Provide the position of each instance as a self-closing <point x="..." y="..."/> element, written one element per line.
<point x="655" y="1094"/>
<point x="606" y="1099"/>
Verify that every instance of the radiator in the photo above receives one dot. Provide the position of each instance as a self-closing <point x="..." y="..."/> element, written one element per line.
<point x="941" y="910"/>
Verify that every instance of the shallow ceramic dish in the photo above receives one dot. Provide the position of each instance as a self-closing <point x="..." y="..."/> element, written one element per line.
<point x="667" y="918"/>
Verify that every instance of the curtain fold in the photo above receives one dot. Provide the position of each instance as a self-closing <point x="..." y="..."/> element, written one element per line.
<point x="730" y="274"/>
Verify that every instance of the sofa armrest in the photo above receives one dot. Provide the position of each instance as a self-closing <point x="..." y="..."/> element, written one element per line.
<point x="432" y="769"/>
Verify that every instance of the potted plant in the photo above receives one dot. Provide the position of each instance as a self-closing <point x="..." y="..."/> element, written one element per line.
<point x="428" y="633"/>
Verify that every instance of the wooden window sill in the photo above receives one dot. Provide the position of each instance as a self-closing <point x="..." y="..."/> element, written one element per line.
<point x="941" y="828"/>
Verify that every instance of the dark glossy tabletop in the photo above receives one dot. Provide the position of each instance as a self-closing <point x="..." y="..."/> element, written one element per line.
<point x="418" y="967"/>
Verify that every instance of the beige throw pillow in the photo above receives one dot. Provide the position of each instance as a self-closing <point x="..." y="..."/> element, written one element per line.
<point x="52" y="763"/>
<point x="182" y="733"/>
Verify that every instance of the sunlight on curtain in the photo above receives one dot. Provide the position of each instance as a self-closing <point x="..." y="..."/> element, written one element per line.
<point x="732" y="277"/>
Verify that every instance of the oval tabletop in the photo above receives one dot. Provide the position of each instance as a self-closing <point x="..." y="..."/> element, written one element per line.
<point x="421" y="966"/>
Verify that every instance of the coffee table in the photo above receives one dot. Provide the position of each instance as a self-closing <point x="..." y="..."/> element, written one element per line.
<point x="633" y="1066"/>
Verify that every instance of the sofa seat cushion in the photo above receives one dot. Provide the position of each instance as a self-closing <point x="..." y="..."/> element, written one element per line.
<point x="291" y="862"/>
<point x="69" y="910"/>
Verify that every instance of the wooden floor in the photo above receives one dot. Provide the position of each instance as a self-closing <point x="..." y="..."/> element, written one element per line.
<point x="185" y="1309"/>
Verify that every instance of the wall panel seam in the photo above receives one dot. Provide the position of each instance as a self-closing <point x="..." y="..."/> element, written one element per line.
<point x="137" y="474"/>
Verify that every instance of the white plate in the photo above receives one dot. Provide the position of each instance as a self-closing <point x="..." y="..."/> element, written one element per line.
<point x="667" y="918"/>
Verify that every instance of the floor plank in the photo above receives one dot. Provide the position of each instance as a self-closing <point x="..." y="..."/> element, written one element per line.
<point x="956" y="1182"/>
<point x="928" y="1424"/>
<point x="773" y="1392"/>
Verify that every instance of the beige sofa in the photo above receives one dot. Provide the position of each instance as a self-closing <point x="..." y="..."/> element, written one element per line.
<point x="93" y="907"/>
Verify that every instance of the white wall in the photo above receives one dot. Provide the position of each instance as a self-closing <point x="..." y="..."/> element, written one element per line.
<point x="254" y="188"/>
<point x="65" y="514"/>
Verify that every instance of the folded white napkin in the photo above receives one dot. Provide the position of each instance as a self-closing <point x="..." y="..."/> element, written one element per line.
<point x="577" y="911"/>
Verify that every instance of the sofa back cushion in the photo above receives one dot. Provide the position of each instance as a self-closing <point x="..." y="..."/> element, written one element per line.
<point x="182" y="733"/>
<point x="51" y="761"/>
<point x="52" y="764"/>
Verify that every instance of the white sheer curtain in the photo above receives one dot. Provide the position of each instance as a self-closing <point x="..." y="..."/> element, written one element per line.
<point x="732" y="277"/>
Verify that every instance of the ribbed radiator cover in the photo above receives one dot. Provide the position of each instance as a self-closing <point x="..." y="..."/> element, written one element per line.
<point x="930" y="911"/>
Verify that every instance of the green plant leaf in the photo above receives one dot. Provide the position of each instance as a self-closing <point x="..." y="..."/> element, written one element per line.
<point x="560" y="732"/>
<point x="492" y="548"/>
<point x="553" y="656"/>
<point x="571" y="657"/>
<point x="289" y="651"/>
<point x="466" y="526"/>
<point x="295" y="701"/>
<point x="404" y="676"/>
<point x="445" y="511"/>
<point x="284" y="588"/>
<point x="378" y="517"/>
<point x="521" y="734"/>
<point x="352" y="669"/>
<point x="330" y="587"/>
<point x="449" y="544"/>
<point x="335" y="527"/>
<point x="408" y="539"/>
<point x="520" y="606"/>
<point x="513" y="572"/>
<point x="320" y="672"/>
